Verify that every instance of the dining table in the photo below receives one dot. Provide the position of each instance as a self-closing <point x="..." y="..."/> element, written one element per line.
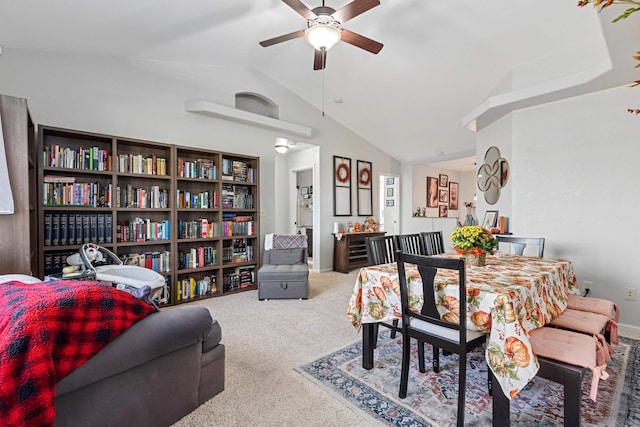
<point x="507" y="298"/>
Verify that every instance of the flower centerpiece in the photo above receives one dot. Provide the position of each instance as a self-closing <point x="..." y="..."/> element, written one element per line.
<point x="474" y="243"/>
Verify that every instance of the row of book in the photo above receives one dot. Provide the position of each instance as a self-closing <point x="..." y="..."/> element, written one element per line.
<point x="153" y="260"/>
<point x="191" y="288"/>
<point x="71" y="193"/>
<point x="152" y="197"/>
<point x="243" y="277"/>
<point x="89" y="158"/>
<point x="137" y="163"/>
<point x="236" y="170"/>
<point x="238" y="226"/>
<point x="237" y="250"/>
<point x="199" y="257"/>
<point x="201" y="168"/>
<point x="141" y="230"/>
<point x="197" y="229"/>
<point x="203" y="200"/>
<point x="62" y="229"/>
<point x="236" y="197"/>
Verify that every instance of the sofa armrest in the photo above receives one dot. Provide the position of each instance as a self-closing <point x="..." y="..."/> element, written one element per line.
<point x="155" y="335"/>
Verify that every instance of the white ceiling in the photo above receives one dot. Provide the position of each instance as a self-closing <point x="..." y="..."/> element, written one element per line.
<point x="441" y="58"/>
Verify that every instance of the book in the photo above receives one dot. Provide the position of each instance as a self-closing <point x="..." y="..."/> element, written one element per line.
<point x="55" y="230"/>
<point x="48" y="218"/>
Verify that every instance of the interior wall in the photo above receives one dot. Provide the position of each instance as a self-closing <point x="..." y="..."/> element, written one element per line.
<point x="573" y="175"/>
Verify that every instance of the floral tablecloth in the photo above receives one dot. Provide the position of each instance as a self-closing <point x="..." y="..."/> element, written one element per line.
<point x="507" y="298"/>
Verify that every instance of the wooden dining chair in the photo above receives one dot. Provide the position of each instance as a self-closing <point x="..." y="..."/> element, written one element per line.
<point x="518" y="244"/>
<point x="564" y="358"/>
<point x="427" y="326"/>
<point x="410" y="243"/>
<point x="433" y="242"/>
<point x="382" y="250"/>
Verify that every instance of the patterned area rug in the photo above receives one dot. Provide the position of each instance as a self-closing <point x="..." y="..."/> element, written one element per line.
<point x="432" y="398"/>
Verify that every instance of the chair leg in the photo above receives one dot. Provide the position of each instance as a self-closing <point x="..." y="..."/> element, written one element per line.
<point x="572" y="395"/>
<point x="376" y="326"/>
<point x="489" y="381"/>
<point x="395" y="329"/>
<point x="404" y="374"/>
<point x="501" y="406"/>
<point x="436" y="359"/>
<point x="421" y="367"/>
<point x="462" y="382"/>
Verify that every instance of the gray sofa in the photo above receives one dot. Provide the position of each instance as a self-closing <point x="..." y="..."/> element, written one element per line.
<point x="284" y="274"/>
<point x="153" y="374"/>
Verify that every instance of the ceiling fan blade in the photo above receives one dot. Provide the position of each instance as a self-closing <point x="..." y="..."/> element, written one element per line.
<point x="299" y="7"/>
<point x="353" y="9"/>
<point x="282" y="38"/>
<point x="360" y="41"/>
<point x="319" y="59"/>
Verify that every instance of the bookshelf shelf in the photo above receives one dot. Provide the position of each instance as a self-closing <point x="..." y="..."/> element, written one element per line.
<point x="144" y="191"/>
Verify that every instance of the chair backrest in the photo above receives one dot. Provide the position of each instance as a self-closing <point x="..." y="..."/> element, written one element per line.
<point x="381" y="249"/>
<point x="433" y="242"/>
<point x="410" y="243"/>
<point x="519" y="243"/>
<point x="428" y="267"/>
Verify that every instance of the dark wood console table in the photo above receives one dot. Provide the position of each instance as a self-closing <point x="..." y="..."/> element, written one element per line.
<point x="350" y="251"/>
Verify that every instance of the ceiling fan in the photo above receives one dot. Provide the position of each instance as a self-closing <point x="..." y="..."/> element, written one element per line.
<point x="324" y="28"/>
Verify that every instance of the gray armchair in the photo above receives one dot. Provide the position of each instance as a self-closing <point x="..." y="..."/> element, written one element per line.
<point x="284" y="273"/>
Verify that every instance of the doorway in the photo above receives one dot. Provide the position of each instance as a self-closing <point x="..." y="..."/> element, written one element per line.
<point x="304" y="207"/>
<point x="389" y="204"/>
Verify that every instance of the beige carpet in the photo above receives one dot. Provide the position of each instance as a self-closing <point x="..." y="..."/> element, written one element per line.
<point x="265" y="341"/>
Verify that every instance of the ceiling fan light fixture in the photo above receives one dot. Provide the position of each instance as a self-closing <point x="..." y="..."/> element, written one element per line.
<point x="322" y="36"/>
<point x="283" y="144"/>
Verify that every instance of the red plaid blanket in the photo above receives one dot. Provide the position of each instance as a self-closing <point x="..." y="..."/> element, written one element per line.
<point x="46" y="331"/>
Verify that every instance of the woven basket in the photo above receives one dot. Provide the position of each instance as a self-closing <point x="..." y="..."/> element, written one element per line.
<point x="476" y="260"/>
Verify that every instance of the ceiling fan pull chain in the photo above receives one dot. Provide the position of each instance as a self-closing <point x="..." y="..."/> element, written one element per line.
<point x="323" y="68"/>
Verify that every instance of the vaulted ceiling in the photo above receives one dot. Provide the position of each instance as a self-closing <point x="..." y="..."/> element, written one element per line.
<point x="442" y="59"/>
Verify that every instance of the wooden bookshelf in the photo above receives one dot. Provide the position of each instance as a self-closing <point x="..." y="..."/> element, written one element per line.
<point x="156" y="205"/>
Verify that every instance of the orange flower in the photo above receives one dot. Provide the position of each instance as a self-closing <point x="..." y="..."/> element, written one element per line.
<point x="517" y="351"/>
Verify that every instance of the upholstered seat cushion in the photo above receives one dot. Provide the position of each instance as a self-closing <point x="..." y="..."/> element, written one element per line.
<point x="441" y="331"/>
<point x="570" y="347"/>
<point x="600" y="306"/>
<point x="284" y="272"/>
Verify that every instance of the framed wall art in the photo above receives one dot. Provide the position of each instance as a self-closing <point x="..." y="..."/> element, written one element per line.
<point x="444" y="196"/>
<point x="432" y="192"/>
<point x="365" y="188"/>
<point x="453" y="196"/>
<point x="444" y="180"/>
<point x="443" y="211"/>
<point x="342" y="186"/>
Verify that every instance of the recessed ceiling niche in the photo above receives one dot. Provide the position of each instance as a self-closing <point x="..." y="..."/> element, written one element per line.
<point x="257" y="104"/>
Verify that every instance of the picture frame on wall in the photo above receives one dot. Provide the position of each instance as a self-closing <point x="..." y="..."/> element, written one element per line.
<point x="390" y="203"/>
<point x="443" y="211"/>
<point x="365" y="188"/>
<point x="432" y="192"/>
<point x="453" y="196"/>
<point x="389" y="192"/>
<point x="391" y="181"/>
<point x="304" y="190"/>
<point x="342" y="186"/>
<point x="444" y="196"/>
<point x="444" y="180"/>
<point x="490" y="219"/>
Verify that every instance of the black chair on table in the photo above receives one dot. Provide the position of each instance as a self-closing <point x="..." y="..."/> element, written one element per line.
<point x="427" y="326"/>
<point x="382" y="250"/>
<point x="518" y="244"/>
<point x="432" y="242"/>
<point x="410" y="243"/>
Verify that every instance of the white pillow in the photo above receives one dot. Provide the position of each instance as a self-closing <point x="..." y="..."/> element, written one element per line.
<point x="18" y="278"/>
